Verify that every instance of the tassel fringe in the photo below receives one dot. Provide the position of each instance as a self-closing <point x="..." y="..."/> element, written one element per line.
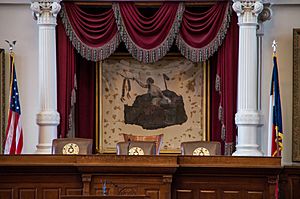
<point x="146" y="55"/>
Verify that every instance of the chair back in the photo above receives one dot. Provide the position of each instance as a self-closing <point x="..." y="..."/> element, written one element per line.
<point x="136" y="148"/>
<point x="201" y="148"/>
<point x="72" y="146"/>
<point x="158" y="139"/>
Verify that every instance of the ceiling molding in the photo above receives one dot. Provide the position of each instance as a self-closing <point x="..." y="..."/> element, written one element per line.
<point x="15" y="2"/>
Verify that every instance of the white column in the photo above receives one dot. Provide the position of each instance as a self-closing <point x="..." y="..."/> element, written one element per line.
<point x="45" y="12"/>
<point x="247" y="117"/>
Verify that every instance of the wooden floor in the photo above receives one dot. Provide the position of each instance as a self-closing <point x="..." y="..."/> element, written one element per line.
<point x="157" y="177"/>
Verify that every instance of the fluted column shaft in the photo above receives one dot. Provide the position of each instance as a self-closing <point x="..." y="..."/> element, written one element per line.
<point x="45" y="12"/>
<point x="247" y="117"/>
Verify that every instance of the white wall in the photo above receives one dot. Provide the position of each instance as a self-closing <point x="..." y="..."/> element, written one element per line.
<point x="280" y="28"/>
<point x="17" y="24"/>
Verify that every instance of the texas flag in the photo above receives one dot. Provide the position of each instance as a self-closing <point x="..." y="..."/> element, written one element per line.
<point x="275" y="120"/>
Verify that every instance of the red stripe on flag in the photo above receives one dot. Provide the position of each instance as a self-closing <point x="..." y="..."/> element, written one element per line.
<point x="14" y="134"/>
<point x="274" y="144"/>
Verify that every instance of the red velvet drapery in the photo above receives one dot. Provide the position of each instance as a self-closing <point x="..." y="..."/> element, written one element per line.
<point x="224" y="95"/>
<point x="201" y="33"/>
<point x="85" y="98"/>
<point x="148" y="39"/>
<point x="68" y="63"/>
<point x="65" y="78"/>
<point x="94" y="35"/>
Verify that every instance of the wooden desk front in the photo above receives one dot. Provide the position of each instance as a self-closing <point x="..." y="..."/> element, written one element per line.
<point x="159" y="177"/>
<point x="104" y="197"/>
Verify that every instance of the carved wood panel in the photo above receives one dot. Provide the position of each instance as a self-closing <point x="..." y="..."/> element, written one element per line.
<point x="6" y="193"/>
<point x="27" y="193"/>
<point x="154" y="186"/>
<point x="221" y="187"/>
<point x="41" y="186"/>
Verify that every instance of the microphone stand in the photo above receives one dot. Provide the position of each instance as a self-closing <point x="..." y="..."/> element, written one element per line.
<point x="128" y="146"/>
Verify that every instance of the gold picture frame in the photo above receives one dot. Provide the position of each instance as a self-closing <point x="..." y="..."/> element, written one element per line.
<point x="109" y="126"/>
<point x="296" y="96"/>
<point x="2" y="98"/>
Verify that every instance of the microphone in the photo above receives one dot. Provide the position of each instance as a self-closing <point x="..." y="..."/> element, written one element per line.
<point x="128" y="146"/>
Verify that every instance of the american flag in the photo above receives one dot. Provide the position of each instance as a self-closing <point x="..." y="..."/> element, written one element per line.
<point x="14" y="132"/>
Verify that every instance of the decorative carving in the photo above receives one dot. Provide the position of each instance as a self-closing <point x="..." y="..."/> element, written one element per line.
<point x="248" y="117"/>
<point x="167" y="179"/>
<point x="237" y="7"/>
<point x="265" y="15"/>
<point x="127" y="191"/>
<point x="70" y="149"/>
<point x="86" y="180"/>
<point x="248" y="8"/>
<point x="201" y="151"/>
<point x="272" y="179"/>
<point x="45" y="11"/>
<point x="136" y="151"/>
<point x="48" y="118"/>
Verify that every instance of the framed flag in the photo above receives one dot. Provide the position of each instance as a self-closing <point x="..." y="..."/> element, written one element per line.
<point x="167" y="97"/>
<point x="296" y="95"/>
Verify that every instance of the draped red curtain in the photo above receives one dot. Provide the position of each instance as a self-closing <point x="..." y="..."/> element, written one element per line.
<point x="69" y="64"/>
<point x="65" y="78"/>
<point x="95" y="35"/>
<point x="85" y="98"/>
<point x="148" y="38"/>
<point x="224" y="95"/>
<point x="201" y="33"/>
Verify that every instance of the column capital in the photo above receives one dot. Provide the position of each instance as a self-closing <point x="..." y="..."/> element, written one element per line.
<point x="45" y="11"/>
<point x="247" y="10"/>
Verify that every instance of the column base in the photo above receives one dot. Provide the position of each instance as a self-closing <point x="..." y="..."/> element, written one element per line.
<point x="247" y="150"/>
<point x="44" y="149"/>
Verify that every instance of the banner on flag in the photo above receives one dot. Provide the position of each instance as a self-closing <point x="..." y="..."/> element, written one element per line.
<point x="275" y="134"/>
<point x="14" y="133"/>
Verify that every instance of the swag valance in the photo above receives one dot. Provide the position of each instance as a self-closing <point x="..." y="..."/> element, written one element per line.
<point x="96" y="35"/>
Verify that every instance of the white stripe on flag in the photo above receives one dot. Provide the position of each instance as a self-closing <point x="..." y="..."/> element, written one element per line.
<point x="19" y="130"/>
<point x="19" y="134"/>
<point x="10" y="133"/>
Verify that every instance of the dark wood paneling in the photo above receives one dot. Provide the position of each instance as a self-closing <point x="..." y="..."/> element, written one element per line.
<point x="255" y="195"/>
<point x="6" y="193"/>
<point x="51" y="193"/>
<point x="290" y="182"/>
<point x="153" y="194"/>
<point x="221" y="177"/>
<point x="207" y="194"/>
<point x="73" y="191"/>
<point x="229" y="194"/>
<point x="184" y="193"/>
<point x="27" y="193"/>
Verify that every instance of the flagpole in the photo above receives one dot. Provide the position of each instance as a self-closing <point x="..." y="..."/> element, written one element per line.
<point x="14" y="133"/>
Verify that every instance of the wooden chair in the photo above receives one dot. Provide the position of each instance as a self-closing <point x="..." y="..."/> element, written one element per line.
<point x="72" y="146"/>
<point x="158" y="139"/>
<point x="201" y="148"/>
<point x="136" y="148"/>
